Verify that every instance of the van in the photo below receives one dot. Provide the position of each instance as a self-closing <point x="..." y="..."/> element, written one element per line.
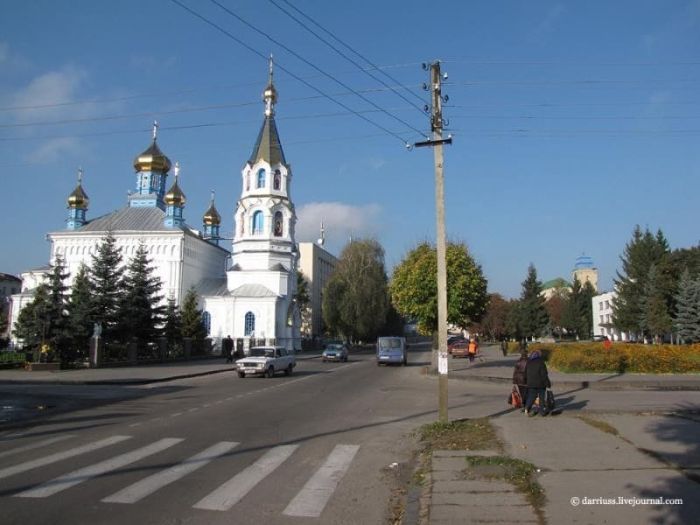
<point x="392" y="350"/>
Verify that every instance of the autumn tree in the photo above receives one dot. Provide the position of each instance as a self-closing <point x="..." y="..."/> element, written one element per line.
<point x="414" y="287"/>
<point x="355" y="299"/>
<point x="494" y="322"/>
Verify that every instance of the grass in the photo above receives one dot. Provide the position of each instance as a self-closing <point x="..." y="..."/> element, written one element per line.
<point x="600" y="425"/>
<point x="463" y="434"/>
<point x="521" y="474"/>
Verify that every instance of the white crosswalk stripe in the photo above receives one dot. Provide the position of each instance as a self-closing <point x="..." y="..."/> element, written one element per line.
<point x="39" y="444"/>
<point x="63" y="482"/>
<point x="149" y="485"/>
<point x="312" y="498"/>
<point x="231" y="492"/>
<point x="59" y="456"/>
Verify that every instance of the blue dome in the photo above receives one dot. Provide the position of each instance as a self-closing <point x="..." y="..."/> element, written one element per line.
<point x="584" y="261"/>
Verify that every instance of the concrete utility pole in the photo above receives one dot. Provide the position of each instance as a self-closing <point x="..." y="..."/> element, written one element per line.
<point x="436" y="124"/>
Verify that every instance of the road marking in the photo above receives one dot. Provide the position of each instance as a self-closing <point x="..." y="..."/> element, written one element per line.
<point x="176" y="414"/>
<point x="78" y="476"/>
<point x="35" y="445"/>
<point x="231" y="492"/>
<point x="53" y="458"/>
<point x="135" y="425"/>
<point x="149" y="485"/>
<point x="193" y="409"/>
<point x="312" y="498"/>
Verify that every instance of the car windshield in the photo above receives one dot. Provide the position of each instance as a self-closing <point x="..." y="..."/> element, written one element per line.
<point x="390" y="343"/>
<point x="262" y="352"/>
<point x="334" y="348"/>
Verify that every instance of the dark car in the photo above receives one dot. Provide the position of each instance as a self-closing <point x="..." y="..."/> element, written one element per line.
<point x="460" y="349"/>
<point x="455" y="340"/>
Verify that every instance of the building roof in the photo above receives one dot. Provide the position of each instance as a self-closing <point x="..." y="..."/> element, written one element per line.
<point x="558" y="282"/>
<point x="253" y="290"/>
<point x="583" y="261"/>
<point x="130" y="219"/>
<point x="9" y="277"/>
<point x="212" y="286"/>
<point x="268" y="146"/>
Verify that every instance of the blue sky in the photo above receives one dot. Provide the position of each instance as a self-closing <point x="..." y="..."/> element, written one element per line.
<point x="572" y="121"/>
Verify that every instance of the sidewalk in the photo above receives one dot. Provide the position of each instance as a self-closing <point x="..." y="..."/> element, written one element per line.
<point x="496" y="368"/>
<point x="127" y="375"/>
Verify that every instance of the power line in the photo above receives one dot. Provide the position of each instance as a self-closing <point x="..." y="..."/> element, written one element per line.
<point x="314" y="66"/>
<point x="347" y="46"/>
<point x="477" y="61"/>
<point x="293" y="75"/>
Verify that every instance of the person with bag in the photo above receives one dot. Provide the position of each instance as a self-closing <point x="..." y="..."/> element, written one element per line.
<point x="537" y="380"/>
<point x="519" y="378"/>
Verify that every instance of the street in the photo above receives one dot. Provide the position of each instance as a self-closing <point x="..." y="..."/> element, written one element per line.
<point x="316" y="447"/>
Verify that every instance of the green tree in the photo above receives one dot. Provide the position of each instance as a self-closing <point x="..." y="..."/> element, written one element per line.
<point x="140" y="311"/>
<point x="191" y="316"/>
<point x="586" y="320"/>
<point x="172" y="330"/>
<point x="532" y="316"/>
<point x="304" y="303"/>
<point x="355" y="299"/>
<point x="414" y="287"/>
<point x="106" y="274"/>
<point x="688" y="308"/>
<point x="641" y="252"/>
<point x="513" y="319"/>
<point x="80" y="320"/>
<point x="32" y="322"/>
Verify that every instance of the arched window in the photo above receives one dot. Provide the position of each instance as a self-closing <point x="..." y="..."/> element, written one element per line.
<point x="277" y="180"/>
<point x="258" y="223"/>
<point x="249" y="324"/>
<point x="261" y="178"/>
<point x="278" y="229"/>
<point x="206" y="320"/>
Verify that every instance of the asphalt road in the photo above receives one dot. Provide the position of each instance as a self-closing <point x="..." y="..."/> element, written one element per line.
<point x="316" y="447"/>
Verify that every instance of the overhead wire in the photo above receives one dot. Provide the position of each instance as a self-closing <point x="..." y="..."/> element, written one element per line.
<point x="290" y="73"/>
<point x="342" y="54"/>
<point x="312" y="65"/>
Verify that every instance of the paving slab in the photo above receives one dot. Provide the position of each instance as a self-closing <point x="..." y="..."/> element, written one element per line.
<point x="454" y="514"/>
<point x="472" y="485"/>
<point x="483" y="499"/>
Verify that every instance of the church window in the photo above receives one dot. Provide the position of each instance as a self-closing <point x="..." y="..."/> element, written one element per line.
<point x="249" y="324"/>
<point x="247" y="181"/>
<point x="257" y="223"/>
<point x="277" y="181"/>
<point x="261" y="178"/>
<point x="278" y="224"/>
<point x="206" y="321"/>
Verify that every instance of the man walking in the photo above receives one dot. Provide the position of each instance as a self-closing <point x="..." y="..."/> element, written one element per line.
<point x="227" y="345"/>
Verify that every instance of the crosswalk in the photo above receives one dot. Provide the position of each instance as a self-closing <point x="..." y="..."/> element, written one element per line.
<point x="309" y="501"/>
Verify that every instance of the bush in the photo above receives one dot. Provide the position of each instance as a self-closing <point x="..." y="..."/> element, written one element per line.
<point x="11" y="359"/>
<point x="621" y="357"/>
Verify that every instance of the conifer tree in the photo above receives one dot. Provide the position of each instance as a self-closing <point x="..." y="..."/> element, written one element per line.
<point x="687" y="320"/>
<point x="585" y="325"/>
<point x="106" y="274"/>
<point x="56" y="334"/>
<point x="172" y="331"/>
<point x="192" y="320"/>
<point x="656" y="320"/>
<point x="140" y="312"/>
<point x="80" y="320"/>
<point x="33" y="319"/>
<point x="532" y="314"/>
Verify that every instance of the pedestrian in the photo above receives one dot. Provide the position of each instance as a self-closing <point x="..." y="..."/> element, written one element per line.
<point x="504" y="347"/>
<point x="473" y="347"/>
<point x="227" y="347"/>
<point x="520" y="377"/>
<point x="537" y="380"/>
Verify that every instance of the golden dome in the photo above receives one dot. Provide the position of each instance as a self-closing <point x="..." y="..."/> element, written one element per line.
<point x="211" y="216"/>
<point x="78" y="198"/>
<point x="152" y="160"/>
<point x="270" y="93"/>
<point x="175" y="197"/>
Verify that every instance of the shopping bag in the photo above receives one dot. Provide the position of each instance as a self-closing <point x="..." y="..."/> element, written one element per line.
<point x="515" y="399"/>
<point x="549" y="402"/>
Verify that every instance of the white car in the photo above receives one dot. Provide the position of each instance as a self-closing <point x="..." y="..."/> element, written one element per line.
<point x="266" y="361"/>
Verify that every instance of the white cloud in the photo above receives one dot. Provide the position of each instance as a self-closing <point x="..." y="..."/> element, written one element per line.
<point x="53" y="150"/>
<point x="54" y="87"/>
<point x="340" y="221"/>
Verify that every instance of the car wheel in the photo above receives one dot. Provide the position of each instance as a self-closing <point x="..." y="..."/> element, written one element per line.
<point x="270" y="372"/>
<point x="241" y="374"/>
<point x="288" y="370"/>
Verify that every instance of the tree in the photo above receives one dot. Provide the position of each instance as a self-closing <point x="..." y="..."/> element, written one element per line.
<point x="80" y="320"/>
<point x="656" y="319"/>
<point x="4" y="312"/>
<point x="355" y="299"/>
<point x="191" y="316"/>
<point x="172" y="330"/>
<point x="687" y="319"/>
<point x="106" y="275"/>
<point x="414" y="287"/>
<point x="532" y="316"/>
<point x="641" y="252"/>
<point x="303" y="302"/>
<point x="494" y="323"/>
<point x="586" y="319"/>
<point x="140" y="312"/>
<point x="33" y="319"/>
<point x="555" y="306"/>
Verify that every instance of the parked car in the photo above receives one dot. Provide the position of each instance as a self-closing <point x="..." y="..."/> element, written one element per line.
<point x="600" y="338"/>
<point x="454" y="340"/>
<point x="335" y="352"/>
<point x="392" y="350"/>
<point x="266" y="361"/>
<point x="460" y="349"/>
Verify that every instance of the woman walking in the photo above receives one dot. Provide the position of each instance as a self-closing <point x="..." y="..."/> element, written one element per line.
<point x="537" y="382"/>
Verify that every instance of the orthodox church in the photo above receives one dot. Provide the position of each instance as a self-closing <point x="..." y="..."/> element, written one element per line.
<point x="247" y="292"/>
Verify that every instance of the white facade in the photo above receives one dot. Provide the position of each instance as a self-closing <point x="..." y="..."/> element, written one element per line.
<point x="317" y="265"/>
<point x="603" y="317"/>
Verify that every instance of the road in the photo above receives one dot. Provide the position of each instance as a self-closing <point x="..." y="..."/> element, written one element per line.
<point x="315" y="447"/>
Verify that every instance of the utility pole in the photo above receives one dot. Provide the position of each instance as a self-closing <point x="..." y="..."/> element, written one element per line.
<point x="436" y="125"/>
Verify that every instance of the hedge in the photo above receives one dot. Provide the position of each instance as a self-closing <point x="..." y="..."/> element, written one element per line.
<point x="621" y="357"/>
